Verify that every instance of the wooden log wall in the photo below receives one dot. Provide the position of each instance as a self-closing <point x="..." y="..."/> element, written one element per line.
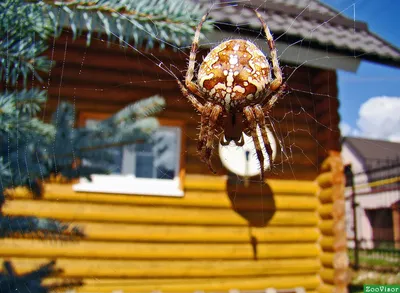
<point x="334" y="258"/>
<point x="215" y="238"/>
<point x="327" y="113"/>
<point x="103" y="78"/>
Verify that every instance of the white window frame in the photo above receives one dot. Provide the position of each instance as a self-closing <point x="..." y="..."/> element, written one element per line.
<point x="130" y="184"/>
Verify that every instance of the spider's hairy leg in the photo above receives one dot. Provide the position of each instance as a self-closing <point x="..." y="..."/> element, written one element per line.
<point x="204" y="127"/>
<point x="248" y="113"/>
<point x="192" y="99"/>
<point x="261" y="121"/>
<point x="192" y="58"/>
<point x="206" y="155"/>
<point x="274" y="98"/>
<point x="276" y="83"/>
<point x="204" y="111"/>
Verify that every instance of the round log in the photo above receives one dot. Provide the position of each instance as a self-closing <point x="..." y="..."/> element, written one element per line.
<point x="123" y="250"/>
<point x="215" y="285"/>
<point x="328" y="275"/>
<point x="76" y="268"/>
<point x="335" y="260"/>
<point x="324" y="180"/>
<point x="326" y="227"/>
<point x="327" y="259"/>
<point x="325" y="195"/>
<point x="327" y="243"/>
<point x="326" y="288"/>
<point x="161" y="215"/>
<point x="194" y="234"/>
<point x="286" y="195"/>
<point x="325" y="211"/>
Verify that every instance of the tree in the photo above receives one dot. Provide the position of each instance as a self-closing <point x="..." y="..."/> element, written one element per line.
<point x="32" y="150"/>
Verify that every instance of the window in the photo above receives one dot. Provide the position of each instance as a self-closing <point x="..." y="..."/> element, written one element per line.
<point x="153" y="168"/>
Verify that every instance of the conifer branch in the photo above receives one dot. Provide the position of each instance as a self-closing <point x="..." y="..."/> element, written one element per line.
<point x="138" y="22"/>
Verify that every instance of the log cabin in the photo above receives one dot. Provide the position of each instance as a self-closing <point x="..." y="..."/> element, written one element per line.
<point x="183" y="229"/>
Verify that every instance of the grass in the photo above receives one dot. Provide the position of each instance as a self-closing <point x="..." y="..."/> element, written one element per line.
<point x="377" y="258"/>
<point x="380" y="266"/>
<point x="372" y="277"/>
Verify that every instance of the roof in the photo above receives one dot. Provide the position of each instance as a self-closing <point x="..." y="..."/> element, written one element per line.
<point x="374" y="153"/>
<point x="312" y="23"/>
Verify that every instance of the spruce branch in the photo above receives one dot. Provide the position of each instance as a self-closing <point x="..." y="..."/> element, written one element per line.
<point x="138" y="110"/>
<point x="26" y="26"/>
<point x="92" y="149"/>
<point x="29" y="101"/>
<point x="17" y="121"/>
<point x="24" y="31"/>
<point x="20" y="57"/>
<point x="136" y="132"/>
<point x="31" y="151"/>
<point x="140" y="21"/>
<point x="5" y="179"/>
<point x="132" y="124"/>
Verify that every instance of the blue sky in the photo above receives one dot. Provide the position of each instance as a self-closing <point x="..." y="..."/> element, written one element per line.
<point x="371" y="80"/>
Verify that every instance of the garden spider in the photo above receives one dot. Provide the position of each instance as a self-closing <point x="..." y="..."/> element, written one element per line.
<point x="236" y="83"/>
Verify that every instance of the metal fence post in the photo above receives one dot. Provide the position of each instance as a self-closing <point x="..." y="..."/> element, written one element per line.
<point x="350" y="181"/>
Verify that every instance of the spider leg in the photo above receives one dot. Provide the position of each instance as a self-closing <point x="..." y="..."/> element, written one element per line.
<point x="260" y="117"/>
<point x="274" y="98"/>
<point x="207" y="151"/>
<point x="204" y="127"/>
<point x="276" y="83"/>
<point x="192" y="59"/>
<point x="252" y="124"/>
<point x="192" y="99"/>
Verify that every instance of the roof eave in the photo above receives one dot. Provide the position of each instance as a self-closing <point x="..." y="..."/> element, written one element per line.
<point x="356" y="54"/>
<point x="295" y="54"/>
<point x="355" y="151"/>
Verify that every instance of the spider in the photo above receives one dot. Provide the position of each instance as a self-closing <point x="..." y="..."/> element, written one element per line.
<point x="238" y="89"/>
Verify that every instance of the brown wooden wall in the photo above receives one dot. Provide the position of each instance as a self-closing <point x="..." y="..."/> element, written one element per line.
<point x="103" y="79"/>
<point x="216" y="237"/>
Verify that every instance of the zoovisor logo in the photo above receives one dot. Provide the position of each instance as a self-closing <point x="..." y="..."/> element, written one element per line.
<point x="381" y="288"/>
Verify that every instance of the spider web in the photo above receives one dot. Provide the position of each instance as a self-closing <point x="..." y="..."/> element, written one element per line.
<point x="287" y="146"/>
<point x="290" y="150"/>
<point x="297" y="119"/>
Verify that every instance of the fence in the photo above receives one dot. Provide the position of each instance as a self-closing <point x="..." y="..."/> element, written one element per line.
<point x="373" y="216"/>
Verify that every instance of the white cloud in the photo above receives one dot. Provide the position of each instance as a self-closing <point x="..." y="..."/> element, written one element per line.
<point x="345" y="129"/>
<point x="394" y="138"/>
<point x="379" y="118"/>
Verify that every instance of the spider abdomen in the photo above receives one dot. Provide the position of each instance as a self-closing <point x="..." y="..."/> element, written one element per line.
<point x="234" y="74"/>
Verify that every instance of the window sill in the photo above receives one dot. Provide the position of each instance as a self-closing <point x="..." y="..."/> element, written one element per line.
<point x="129" y="184"/>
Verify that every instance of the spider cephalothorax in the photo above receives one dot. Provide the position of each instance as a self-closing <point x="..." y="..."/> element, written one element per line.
<point x="239" y="89"/>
